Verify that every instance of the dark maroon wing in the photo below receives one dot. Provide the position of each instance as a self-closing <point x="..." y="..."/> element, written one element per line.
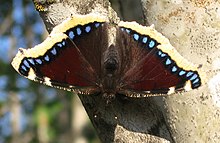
<point x="149" y="64"/>
<point x="70" y="61"/>
<point x="91" y="40"/>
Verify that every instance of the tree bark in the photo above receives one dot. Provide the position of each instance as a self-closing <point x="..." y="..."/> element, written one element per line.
<point x="193" y="28"/>
<point x="184" y="117"/>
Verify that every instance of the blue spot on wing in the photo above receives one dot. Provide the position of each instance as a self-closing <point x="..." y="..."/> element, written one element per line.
<point x="159" y="52"/>
<point x="189" y="74"/>
<point x="31" y="61"/>
<point x="24" y="68"/>
<point x="39" y="61"/>
<point x="195" y="81"/>
<point x="97" y="25"/>
<point x="26" y="63"/>
<point x="128" y="31"/>
<point x="60" y="45"/>
<point x="54" y="51"/>
<point x="64" y="43"/>
<point x="168" y="61"/>
<point x="71" y="35"/>
<point x="151" y="44"/>
<point x="46" y="58"/>
<point x="193" y="77"/>
<point x="174" y="69"/>
<point x="78" y="31"/>
<point x="88" y="29"/>
<point x="144" y="40"/>
<point x="23" y="72"/>
<point x="136" y="36"/>
<point x="163" y="55"/>
<point x="182" y="72"/>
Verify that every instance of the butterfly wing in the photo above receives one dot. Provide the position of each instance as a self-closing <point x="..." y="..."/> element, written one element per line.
<point x="70" y="58"/>
<point x="151" y="64"/>
<point x="89" y="33"/>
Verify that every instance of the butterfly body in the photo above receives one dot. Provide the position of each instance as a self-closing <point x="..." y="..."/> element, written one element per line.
<point x="110" y="71"/>
<point x="77" y="56"/>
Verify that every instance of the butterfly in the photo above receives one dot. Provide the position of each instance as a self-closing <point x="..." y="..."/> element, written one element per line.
<point x="81" y="55"/>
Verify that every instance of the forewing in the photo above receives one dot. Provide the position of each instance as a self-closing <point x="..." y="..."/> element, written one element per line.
<point x="150" y="64"/>
<point x="70" y="58"/>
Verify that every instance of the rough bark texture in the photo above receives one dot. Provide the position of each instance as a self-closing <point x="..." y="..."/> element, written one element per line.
<point x="186" y="117"/>
<point x="193" y="28"/>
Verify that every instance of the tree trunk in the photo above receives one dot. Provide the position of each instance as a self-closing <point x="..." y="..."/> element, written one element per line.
<point x="192" y="27"/>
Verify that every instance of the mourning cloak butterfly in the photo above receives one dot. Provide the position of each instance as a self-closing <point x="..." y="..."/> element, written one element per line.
<point x="78" y="56"/>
